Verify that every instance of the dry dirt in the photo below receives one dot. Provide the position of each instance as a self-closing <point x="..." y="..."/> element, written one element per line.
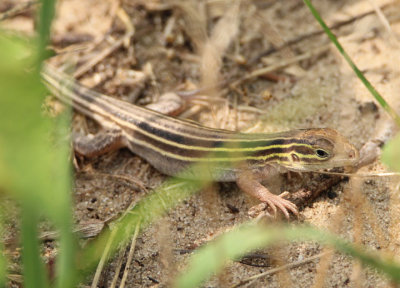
<point x="178" y="46"/>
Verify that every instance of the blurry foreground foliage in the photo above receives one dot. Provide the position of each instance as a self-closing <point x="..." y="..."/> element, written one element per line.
<point x="34" y="165"/>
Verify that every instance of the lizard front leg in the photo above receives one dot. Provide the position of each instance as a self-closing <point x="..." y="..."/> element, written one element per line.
<point x="249" y="182"/>
<point x="98" y="144"/>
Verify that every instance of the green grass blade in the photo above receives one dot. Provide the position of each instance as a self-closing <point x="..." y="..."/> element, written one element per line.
<point x="359" y="74"/>
<point x="3" y="259"/>
<point x="61" y="213"/>
<point x="46" y="14"/>
<point x="233" y="245"/>
<point x="34" y="272"/>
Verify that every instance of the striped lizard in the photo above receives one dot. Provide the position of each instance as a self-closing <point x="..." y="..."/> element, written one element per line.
<point x="174" y="146"/>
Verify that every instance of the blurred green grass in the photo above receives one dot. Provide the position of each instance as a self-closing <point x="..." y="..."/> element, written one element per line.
<point x="34" y="165"/>
<point x="34" y="150"/>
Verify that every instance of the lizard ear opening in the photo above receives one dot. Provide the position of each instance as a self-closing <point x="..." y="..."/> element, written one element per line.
<point x="295" y="157"/>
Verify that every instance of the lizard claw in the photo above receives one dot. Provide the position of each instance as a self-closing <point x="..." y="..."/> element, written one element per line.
<point x="251" y="185"/>
<point x="274" y="202"/>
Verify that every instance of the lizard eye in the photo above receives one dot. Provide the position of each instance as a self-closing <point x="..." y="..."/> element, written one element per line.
<point x="321" y="153"/>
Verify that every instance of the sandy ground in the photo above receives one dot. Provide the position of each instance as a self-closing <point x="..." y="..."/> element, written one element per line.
<point x="317" y="91"/>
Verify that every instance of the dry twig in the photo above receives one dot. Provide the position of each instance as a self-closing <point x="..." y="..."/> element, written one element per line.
<point x="251" y="279"/>
<point x="130" y="256"/>
<point x="103" y="259"/>
<point x="18" y="9"/>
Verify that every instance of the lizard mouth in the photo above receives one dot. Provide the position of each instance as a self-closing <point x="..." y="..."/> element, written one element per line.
<point x="307" y="167"/>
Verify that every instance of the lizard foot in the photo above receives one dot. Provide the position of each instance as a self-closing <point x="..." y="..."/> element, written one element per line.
<point x="274" y="202"/>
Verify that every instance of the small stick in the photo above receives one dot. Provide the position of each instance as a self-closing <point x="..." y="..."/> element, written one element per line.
<point x="18" y="9"/>
<point x="103" y="259"/>
<point x="103" y="54"/>
<point x="280" y="65"/>
<point x="280" y="268"/>
<point x="118" y="269"/>
<point x="381" y="16"/>
<point x="322" y="268"/>
<point x="130" y="256"/>
<point x="318" y="32"/>
<point x="127" y="178"/>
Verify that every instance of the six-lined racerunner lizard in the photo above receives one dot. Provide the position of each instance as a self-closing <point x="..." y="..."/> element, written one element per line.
<point x="174" y="146"/>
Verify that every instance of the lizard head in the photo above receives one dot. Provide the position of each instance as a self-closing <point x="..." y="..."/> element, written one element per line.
<point x="316" y="149"/>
